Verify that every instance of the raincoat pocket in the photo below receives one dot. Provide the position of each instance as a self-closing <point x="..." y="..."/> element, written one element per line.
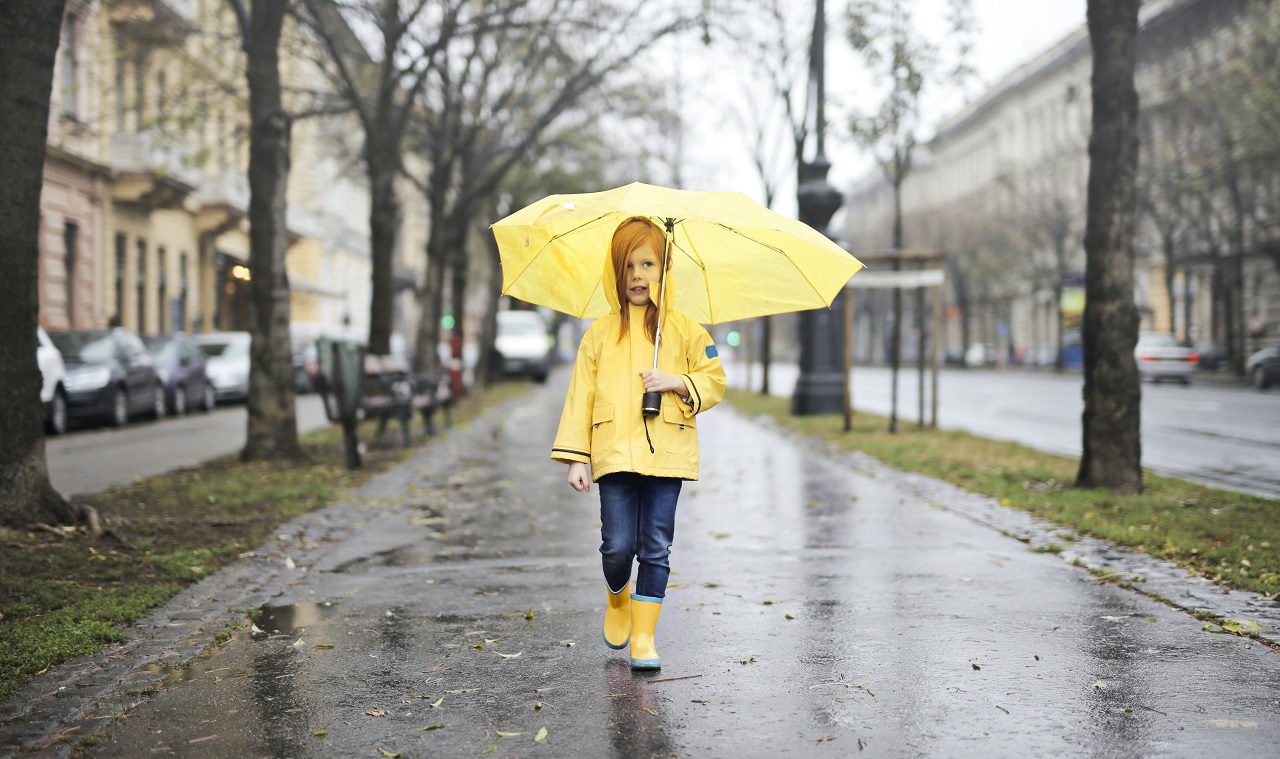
<point x="679" y="433"/>
<point x="602" y="430"/>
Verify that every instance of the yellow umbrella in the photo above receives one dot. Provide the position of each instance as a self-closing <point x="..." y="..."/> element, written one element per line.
<point x="732" y="257"/>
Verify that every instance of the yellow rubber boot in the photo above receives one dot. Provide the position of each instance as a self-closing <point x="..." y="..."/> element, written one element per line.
<point x="617" y="618"/>
<point x="644" y="619"/>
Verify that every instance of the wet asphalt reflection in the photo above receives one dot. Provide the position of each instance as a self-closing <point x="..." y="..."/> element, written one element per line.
<point x="813" y="611"/>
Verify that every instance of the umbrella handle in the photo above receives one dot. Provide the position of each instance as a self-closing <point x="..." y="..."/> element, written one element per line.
<point x="651" y="403"/>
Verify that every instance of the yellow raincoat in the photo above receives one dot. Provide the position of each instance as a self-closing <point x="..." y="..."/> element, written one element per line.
<point x="601" y="423"/>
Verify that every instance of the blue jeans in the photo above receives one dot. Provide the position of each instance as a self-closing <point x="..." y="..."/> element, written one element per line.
<point x="637" y="521"/>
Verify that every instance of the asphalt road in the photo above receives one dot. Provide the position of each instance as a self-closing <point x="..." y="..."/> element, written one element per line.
<point x="818" y="608"/>
<point x="88" y="460"/>
<point x="1219" y="434"/>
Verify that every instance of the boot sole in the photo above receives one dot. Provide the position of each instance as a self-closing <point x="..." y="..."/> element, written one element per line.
<point x="620" y="646"/>
<point x="646" y="663"/>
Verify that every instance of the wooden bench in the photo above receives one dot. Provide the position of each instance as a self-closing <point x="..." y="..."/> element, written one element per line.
<point x="390" y="391"/>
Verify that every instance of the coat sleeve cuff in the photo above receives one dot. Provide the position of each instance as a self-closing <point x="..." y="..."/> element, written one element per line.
<point x="569" y="456"/>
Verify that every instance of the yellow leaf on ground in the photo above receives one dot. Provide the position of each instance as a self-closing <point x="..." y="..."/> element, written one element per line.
<point x="541" y="736"/>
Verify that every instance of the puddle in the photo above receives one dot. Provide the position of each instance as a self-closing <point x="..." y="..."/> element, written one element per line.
<point x="284" y="619"/>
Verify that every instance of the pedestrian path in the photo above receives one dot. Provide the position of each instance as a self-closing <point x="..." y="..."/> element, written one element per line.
<point x="819" y="606"/>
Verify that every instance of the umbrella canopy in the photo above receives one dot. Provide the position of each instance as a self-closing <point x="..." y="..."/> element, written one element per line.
<point x="732" y="258"/>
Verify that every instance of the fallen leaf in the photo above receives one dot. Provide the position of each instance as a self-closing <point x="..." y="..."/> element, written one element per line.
<point x="319" y="733"/>
<point x="492" y="640"/>
<point x="299" y="643"/>
<point x="388" y="754"/>
<point x="749" y="660"/>
<point x="541" y="735"/>
<point x="1239" y="625"/>
<point x="430" y="727"/>
<point x="511" y="656"/>
<point x="508" y="735"/>
<point x="767" y="603"/>
<point x="789" y="616"/>
<point x="651" y="711"/>
<point x="478" y="646"/>
<point x="376" y="713"/>
<point x="825" y="738"/>
<point x="288" y="562"/>
<point x="528" y="614"/>
<point x="1099" y="685"/>
<point x="324" y="645"/>
<point x="975" y="666"/>
<point x="436" y="705"/>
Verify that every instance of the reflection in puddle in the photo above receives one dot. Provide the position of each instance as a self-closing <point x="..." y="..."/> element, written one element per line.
<point x="283" y="619"/>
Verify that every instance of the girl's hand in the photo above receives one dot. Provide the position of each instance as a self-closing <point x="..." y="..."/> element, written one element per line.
<point x="578" y="478"/>
<point x="658" y="381"/>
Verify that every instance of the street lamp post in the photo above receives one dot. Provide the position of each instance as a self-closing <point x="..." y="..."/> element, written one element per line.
<point x="820" y="387"/>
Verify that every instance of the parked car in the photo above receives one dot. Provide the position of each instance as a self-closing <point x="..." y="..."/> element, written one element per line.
<point x="53" y="395"/>
<point x="522" y="346"/>
<point x="227" y="363"/>
<point x="980" y="354"/>
<point x="1160" y="357"/>
<point x="1263" y="367"/>
<point x="1042" y="355"/>
<point x="110" y="376"/>
<point x="180" y="365"/>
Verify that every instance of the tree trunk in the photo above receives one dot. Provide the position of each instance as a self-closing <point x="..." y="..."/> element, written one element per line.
<point x="459" y="275"/>
<point x="384" y="225"/>
<point x="1112" y="442"/>
<point x="895" y="339"/>
<point x="29" y="33"/>
<point x="431" y="300"/>
<point x="489" y="323"/>
<point x="273" y="423"/>
<point x="766" y="352"/>
<point x="1170" y="254"/>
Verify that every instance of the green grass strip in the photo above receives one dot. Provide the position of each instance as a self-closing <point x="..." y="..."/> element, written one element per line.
<point x="1230" y="538"/>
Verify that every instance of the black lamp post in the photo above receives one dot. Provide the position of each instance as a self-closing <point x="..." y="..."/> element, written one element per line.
<point x="820" y="387"/>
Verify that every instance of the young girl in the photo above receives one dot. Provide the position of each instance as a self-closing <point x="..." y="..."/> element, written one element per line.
<point x="637" y="460"/>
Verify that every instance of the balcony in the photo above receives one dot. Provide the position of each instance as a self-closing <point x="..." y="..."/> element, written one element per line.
<point x="150" y="170"/>
<point x="153" y="22"/>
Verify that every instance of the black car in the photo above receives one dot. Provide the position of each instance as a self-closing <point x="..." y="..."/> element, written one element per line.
<point x="179" y="363"/>
<point x="1264" y="367"/>
<point x="110" y="376"/>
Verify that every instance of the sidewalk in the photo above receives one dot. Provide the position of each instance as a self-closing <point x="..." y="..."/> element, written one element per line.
<point x="820" y="605"/>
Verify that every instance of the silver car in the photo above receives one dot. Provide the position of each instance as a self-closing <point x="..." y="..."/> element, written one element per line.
<point x="1160" y="357"/>
<point x="227" y="363"/>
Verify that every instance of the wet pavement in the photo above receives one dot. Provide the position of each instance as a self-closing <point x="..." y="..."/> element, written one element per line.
<point x="819" y="606"/>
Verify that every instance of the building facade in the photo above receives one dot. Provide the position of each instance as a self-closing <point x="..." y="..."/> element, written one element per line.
<point x="1001" y="186"/>
<point x="144" y="211"/>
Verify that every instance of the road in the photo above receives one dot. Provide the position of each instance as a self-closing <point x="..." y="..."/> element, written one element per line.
<point x="818" y="608"/>
<point x="90" y="460"/>
<point x="1223" y="435"/>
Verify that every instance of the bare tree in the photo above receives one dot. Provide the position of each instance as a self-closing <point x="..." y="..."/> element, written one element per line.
<point x="884" y="33"/>
<point x="382" y="81"/>
<point x="776" y="49"/>
<point x="1050" y="217"/>
<point x="272" y="427"/>
<point x="1112" y="441"/>
<point x="494" y="95"/>
<point x="29" y="33"/>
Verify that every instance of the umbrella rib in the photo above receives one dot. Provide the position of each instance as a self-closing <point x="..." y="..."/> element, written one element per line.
<point x="778" y="250"/>
<point x="534" y="257"/>
<point x="692" y="253"/>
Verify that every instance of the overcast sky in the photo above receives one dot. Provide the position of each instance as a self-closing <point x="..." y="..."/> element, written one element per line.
<point x="1009" y="33"/>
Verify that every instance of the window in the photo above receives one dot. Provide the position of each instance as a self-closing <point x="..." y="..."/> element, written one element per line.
<point x="120" y="250"/>
<point x="119" y="93"/>
<point x="180" y="320"/>
<point x="70" y="66"/>
<point x="142" y="286"/>
<point x="139" y="92"/>
<point x="160" y="297"/>
<point x="70" y="238"/>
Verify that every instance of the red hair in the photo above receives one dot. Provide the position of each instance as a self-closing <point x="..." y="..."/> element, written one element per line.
<point x="630" y="235"/>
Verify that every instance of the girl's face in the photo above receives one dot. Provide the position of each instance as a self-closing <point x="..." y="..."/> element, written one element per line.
<point x="643" y="266"/>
